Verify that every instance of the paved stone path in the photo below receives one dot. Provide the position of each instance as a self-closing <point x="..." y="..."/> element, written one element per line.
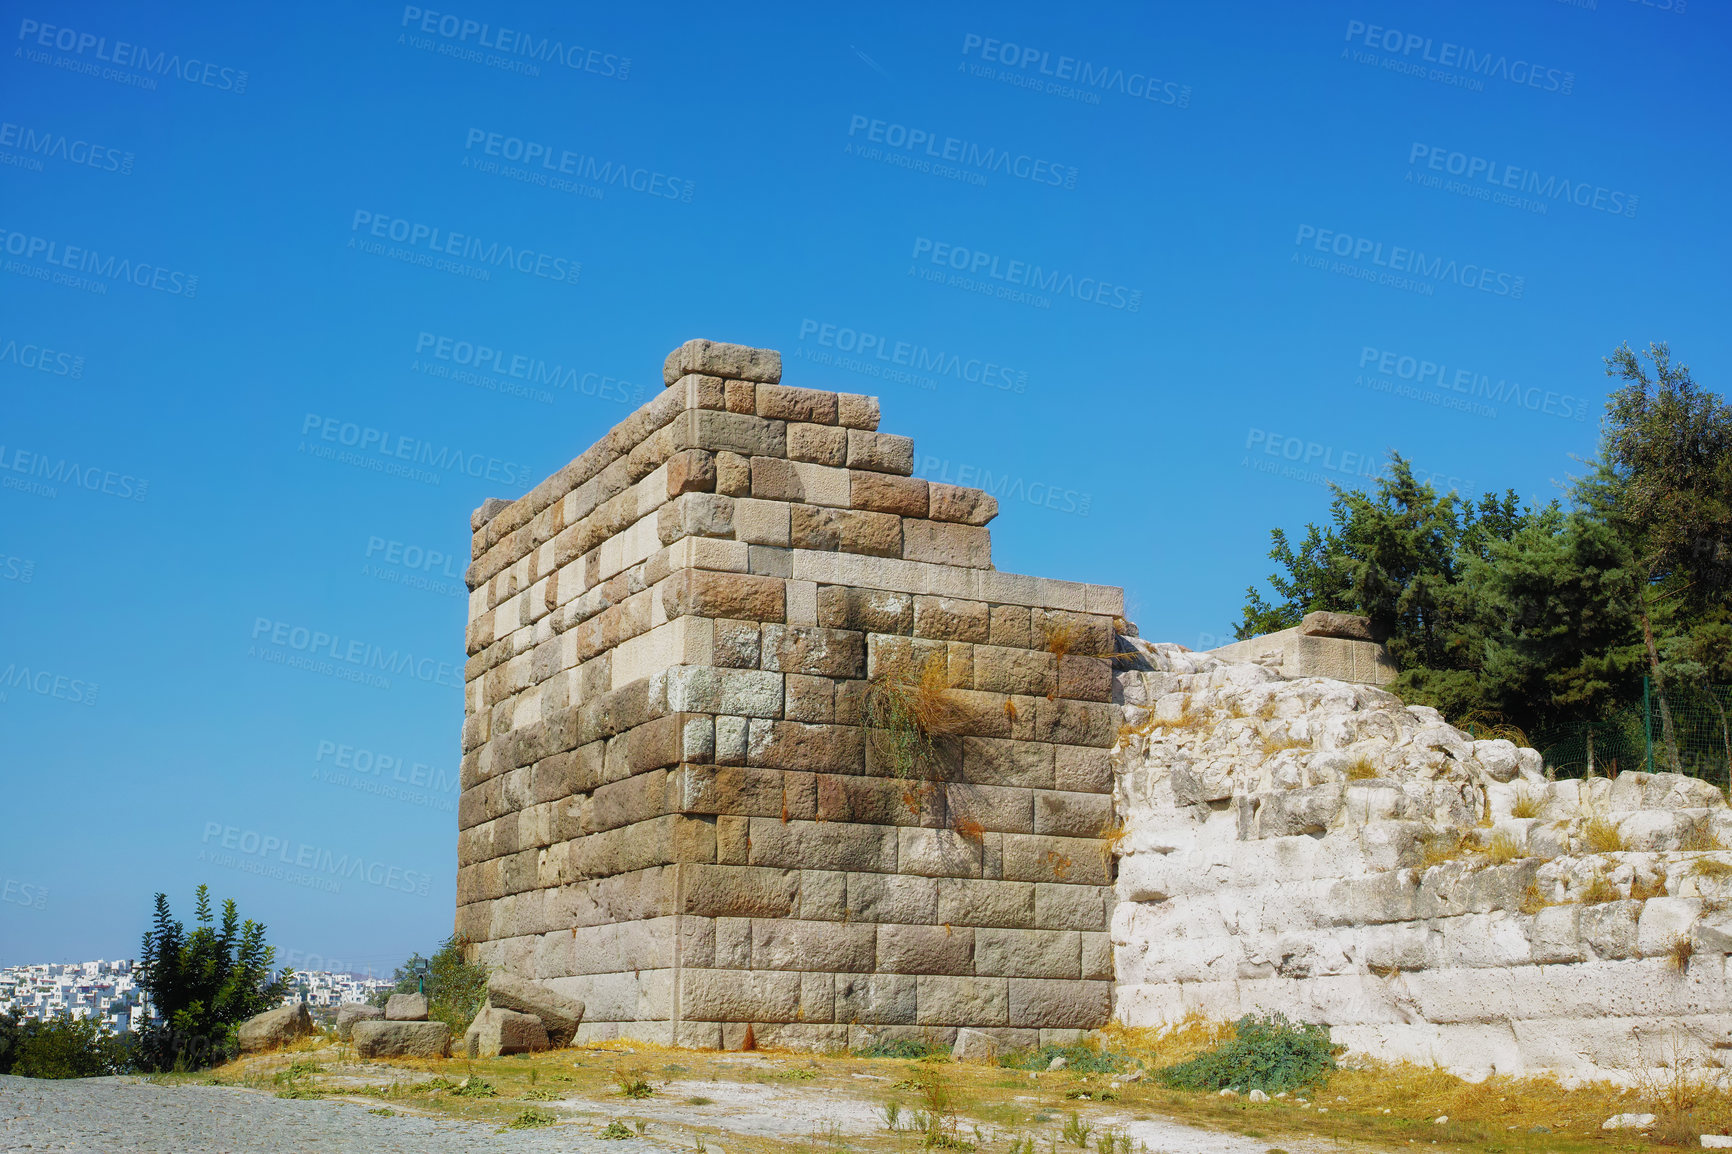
<point x="129" y="1116"/>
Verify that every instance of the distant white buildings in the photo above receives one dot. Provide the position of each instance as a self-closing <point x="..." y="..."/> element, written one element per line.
<point x="101" y="990"/>
<point x="107" y="992"/>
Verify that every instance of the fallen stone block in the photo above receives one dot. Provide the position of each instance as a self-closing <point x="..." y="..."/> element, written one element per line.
<point x="397" y="1039"/>
<point x="495" y="1032"/>
<point x="974" y="1046"/>
<point x="351" y="1012"/>
<point x="559" y="1014"/>
<point x="275" y="1028"/>
<point x="406" y="1008"/>
<point x="1628" y="1122"/>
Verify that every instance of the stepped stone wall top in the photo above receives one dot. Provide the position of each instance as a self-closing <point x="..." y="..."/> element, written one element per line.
<point x="672" y="807"/>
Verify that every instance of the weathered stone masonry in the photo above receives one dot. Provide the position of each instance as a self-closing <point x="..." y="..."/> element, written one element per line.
<point x="670" y="808"/>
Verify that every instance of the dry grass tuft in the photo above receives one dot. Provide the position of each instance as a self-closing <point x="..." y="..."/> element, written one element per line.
<point x="1601" y="836"/>
<point x="1442" y="846"/>
<point x="1275" y="744"/>
<point x="1527" y="803"/>
<point x="1708" y="867"/>
<point x="1699" y="838"/>
<point x="1061" y="638"/>
<point x="1641" y="891"/>
<point x="908" y="706"/>
<point x="1361" y="769"/>
<point x="1682" y="949"/>
<point x="1503" y="848"/>
<point x="1598" y="890"/>
<point x="1534" y="899"/>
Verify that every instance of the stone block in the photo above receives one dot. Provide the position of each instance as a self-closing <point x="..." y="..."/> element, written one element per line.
<point x="891" y="897"/>
<point x="732" y="595"/>
<point x="759" y="522"/>
<point x="716" y="891"/>
<point x="1072" y="814"/>
<point x="733" y="474"/>
<point x="822" y="845"/>
<point x="938" y="853"/>
<point x="950" y="1001"/>
<point x="495" y="1032"/>
<point x="739" y="433"/>
<point x="856" y="411"/>
<point x="876" y="999"/>
<point x="406" y="1008"/>
<point x="782" y="403"/>
<point x="999" y="669"/>
<point x="740" y="995"/>
<point x="943" y="543"/>
<point x="1050" y="1003"/>
<point x="949" y="619"/>
<point x="1556" y="935"/>
<point x="1039" y="858"/>
<point x="1070" y="907"/>
<point x="813" y="748"/>
<point x="559" y="1015"/>
<point x="1082" y="769"/>
<point x="1010" y="625"/>
<point x="740" y="396"/>
<point x="962" y="506"/>
<point x="1609" y="929"/>
<point x="1663" y="922"/>
<point x="351" y="1012"/>
<point x="818" y="444"/>
<point x="275" y="1028"/>
<point x="833" y="947"/>
<point x="1023" y="953"/>
<point x="880" y="452"/>
<point x="1009" y="905"/>
<point x="402" y="1040"/>
<point x="925" y="949"/>
<point x="887" y="493"/>
<point x="1003" y="761"/>
<point x="716" y="359"/>
<point x="974" y="1046"/>
<point x="691" y="471"/>
<point x="846" y="530"/>
<point x="775" y="479"/>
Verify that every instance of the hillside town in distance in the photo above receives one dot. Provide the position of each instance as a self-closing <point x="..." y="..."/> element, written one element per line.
<point x="107" y="992"/>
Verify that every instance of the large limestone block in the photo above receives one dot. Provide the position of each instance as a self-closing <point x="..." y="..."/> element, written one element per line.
<point x="558" y="1014"/>
<point x="275" y="1028"/>
<point x="495" y="1032"/>
<point x="351" y="1012"/>
<point x="397" y="1039"/>
<point x="718" y="359"/>
<point x="974" y="1046"/>
<point x="406" y="1008"/>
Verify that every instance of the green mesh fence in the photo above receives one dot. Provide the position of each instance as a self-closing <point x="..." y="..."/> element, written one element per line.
<point x="1684" y="730"/>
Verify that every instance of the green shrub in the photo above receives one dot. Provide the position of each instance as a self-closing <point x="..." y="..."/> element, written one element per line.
<point x="455" y="988"/>
<point x="1267" y="1053"/>
<point x="1079" y="1057"/>
<point x="62" y="1047"/>
<point x="908" y="1049"/>
<point x="203" y="983"/>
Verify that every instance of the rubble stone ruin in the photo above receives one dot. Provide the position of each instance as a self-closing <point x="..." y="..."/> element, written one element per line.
<point x="674" y="809"/>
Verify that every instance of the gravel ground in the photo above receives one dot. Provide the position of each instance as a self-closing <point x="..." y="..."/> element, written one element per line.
<point x="131" y="1116"/>
<point x="126" y="1115"/>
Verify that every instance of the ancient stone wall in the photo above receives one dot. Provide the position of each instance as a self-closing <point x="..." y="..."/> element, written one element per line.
<point x="1316" y="848"/>
<point x="671" y="808"/>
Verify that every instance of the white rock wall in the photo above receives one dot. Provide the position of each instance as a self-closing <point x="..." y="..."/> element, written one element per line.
<point x="1275" y="857"/>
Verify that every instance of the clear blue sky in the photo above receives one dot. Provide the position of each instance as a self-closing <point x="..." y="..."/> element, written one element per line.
<point x="1228" y="251"/>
